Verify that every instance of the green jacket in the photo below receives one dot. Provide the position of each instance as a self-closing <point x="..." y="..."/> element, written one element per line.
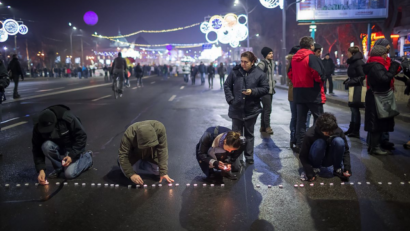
<point x="146" y="140"/>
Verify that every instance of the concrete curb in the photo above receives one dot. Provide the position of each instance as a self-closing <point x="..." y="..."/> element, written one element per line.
<point x="403" y="116"/>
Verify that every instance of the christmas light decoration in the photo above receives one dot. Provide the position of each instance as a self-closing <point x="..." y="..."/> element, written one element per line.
<point x="90" y="18"/>
<point x="23" y="29"/>
<point x="270" y="3"/>
<point x="3" y="35"/>
<point x="228" y="29"/>
<point x="160" y="45"/>
<point x="11" y="26"/>
<point x="146" y="31"/>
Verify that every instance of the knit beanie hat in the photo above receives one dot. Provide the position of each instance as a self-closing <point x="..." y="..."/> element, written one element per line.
<point x="378" y="50"/>
<point x="294" y="50"/>
<point x="265" y="51"/>
<point x="382" y="42"/>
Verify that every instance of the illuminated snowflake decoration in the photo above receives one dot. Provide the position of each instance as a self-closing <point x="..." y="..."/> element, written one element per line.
<point x="270" y="3"/>
<point x="228" y="29"/>
<point x="3" y="35"/>
<point x="23" y="29"/>
<point x="11" y="26"/>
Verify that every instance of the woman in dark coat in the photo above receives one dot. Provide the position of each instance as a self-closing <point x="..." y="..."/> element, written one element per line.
<point x="356" y="77"/>
<point x="244" y="87"/>
<point x="378" y="79"/>
<point x="138" y="74"/>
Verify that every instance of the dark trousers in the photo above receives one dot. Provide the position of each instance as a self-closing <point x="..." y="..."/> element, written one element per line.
<point x="211" y="80"/>
<point x="267" y="110"/>
<point x="302" y="111"/>
<point x="139" y="81"/>
<point x="320" y="155"/>
<point x="16" y="85"/>
<point x="247" y="129"/>
<point x="222" y="80"/>
<point x="193" y="78"/>
<point x="355" y="115"/>
<point x="329" y="78"/>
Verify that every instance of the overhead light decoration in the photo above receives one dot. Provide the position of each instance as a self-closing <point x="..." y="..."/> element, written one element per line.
<point x="211" y="54"/>
<point x="271" y="3"/>
<point x="23" y="29"/>
<point x="11" y="26"/>
<point x="227" y="29"/>
<point x="3" y="35"/>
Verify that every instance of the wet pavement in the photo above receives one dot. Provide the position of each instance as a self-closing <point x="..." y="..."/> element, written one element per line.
<point x="376" y="198"/>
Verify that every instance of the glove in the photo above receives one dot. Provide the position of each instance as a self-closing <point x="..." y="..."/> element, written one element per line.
<point x="404" y="79"/>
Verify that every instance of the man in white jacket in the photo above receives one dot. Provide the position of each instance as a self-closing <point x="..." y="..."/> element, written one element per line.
<point x="186" y="69"/>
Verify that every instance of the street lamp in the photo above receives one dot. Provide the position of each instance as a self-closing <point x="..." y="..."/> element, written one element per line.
<point x="71" y="39"/>
<point x="5" y="48"/>
<point x="237" y="2"/>
<point x="69" y="24"/>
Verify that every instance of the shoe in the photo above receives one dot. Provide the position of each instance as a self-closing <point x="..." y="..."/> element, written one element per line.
<point x="269" y="130"/>
<point x="378" y="151"/>
<point x="16" y="96"/>
<point x="350" y="130"/>
<point x="54" y="174"/>
<point x="339" y="174"/>
<point x="249" y="161"/>
<point x="262" y="129"/>
<point x="387" y="145"/>
<point x="229" y="175"/>
<point x="406" y="145"/>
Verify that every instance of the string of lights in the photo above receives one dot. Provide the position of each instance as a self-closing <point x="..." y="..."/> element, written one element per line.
<point x="160" y="45"/>
<point x="146" y="31"/>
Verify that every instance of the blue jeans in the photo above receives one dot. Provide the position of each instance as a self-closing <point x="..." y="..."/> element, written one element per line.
<point x="53" y="152"/>
<point x="320" y="155"/>
<point x="355" y="115"/>
<point x="202" y="78"/>
<point x="79" y="75"/>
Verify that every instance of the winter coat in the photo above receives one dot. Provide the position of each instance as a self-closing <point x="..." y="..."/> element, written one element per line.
<point x="329" y="66"/>
<point x="290" y="85"/>
<point x="186" y="69"/>
<point x="205" y="144"/>
<point x="221" y="70"/>
<point x="306" y="72"/>
<point x="146" y="140"/>
<point x="202" y="69"/>
<point x="355" y="70"/>
<point x="210" y="70"/>
<point x="15" y="68"/>
<point x="119" y="63"/>
<point x="244" y="107"/>
<point x="194" y="71"/>
<point x="378" y="79"/>
<point x="138" y="71"/>
<point x="386" y="65"/>
<point x="68" y="134"/>
<point x="269" y="73"/>
<point x="313" y="134"/>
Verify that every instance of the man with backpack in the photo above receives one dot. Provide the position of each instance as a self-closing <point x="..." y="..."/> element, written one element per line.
<point x="267" y="66"/>
<point x="59" y="135"/>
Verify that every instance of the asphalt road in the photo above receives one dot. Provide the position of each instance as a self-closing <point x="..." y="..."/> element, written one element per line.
<point x="376" y="198"/>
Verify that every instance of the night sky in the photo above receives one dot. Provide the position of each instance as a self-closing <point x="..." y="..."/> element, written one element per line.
<point x="51" y="17"/>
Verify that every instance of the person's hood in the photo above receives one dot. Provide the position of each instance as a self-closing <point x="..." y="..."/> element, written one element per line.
<point x="146" y="136"/>
<point x="289" y="57"/>
<point x="354" y="58"/>
<point x="302" y="54"/>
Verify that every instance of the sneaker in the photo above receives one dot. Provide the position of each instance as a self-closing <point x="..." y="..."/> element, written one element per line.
<point x="55" y="174"/>
<point x="269" y="130"/>
<point x="16" y="96"/>
<point x="339" y="174"/>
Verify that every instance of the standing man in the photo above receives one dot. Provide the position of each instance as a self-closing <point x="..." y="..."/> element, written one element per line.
<point x="318" y="50"/>
<point x="329" y="71"/>
<point x="211" y="74"/>
<point x="267" y="66"/>
<point x="306" y="72"/>
<point x="15" y="68"/>
<point x="194" y="72"/>
<point x="144" y="149"/>
<point x="59" y="135"/>
<point x="119" y="66"/>
<point x="185" y="70"/>
<point x="202" y="71"/>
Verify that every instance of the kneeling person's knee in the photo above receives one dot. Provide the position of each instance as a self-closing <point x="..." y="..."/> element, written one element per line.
<point x="338" y="141"/>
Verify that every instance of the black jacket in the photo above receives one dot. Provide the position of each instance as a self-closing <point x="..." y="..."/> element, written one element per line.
<point x="355" y="70"/>
<point x="202" y="68"/>
<point x="119" y="63"/>
<point x="68" y="134"/>
<point x="329" y="66"/>
<point x="15" y="68"/>
<point x="138" y="71"/>
<point x="210" y="70"/>
<point x="378" y="79"/>
<point x="242" y="106"/>
<point x="311" y="135"/>
<point x="205" y="143"/>
<point x="194" y="71"/>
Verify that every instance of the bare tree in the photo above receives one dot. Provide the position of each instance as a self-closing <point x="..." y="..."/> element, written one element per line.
<point x="388" y="25"/>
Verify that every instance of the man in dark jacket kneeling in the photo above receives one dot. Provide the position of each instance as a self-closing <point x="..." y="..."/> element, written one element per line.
<point x="325" y="145"/>
<point x="59" y="135"/>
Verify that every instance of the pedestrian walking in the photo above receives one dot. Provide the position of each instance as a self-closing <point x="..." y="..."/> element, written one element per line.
<point x="356" y="78"/>
<point x="211" y="74"/>
<point x="329" y="71"/>
<point x="307" y="74"/>
<point x="119" y="66"/>
<point x="243" y="89"/>
<point x="138" y="74"/>
<point x="221" y="73"/>
<point x="194" y="72"/>
<point x="14" y="68"/>
<point x="267" y="67"/>
<point x="185" y="71"/>
<point x="202" y="72"/>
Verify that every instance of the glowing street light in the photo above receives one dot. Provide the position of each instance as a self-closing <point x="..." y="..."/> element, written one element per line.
<point x="5" y="48"/>
<point x="75" y="28"/>
<point x="9" y="7"/>
<point x="257" y="35"/>
<point x="69" y="24"/>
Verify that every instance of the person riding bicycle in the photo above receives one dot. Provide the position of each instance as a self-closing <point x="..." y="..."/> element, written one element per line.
<point x="119" y="66"/>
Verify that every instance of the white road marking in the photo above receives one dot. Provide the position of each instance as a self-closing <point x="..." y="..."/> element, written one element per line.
<point x="9" y="120"/>
<point x="134" y="88"/>
<point x="72" y="84"/>
<point x="182" y="87"/>
<point x="14" y="125"/>
<point x="152" y="82"/>
<point x="50" y="89"/>
<point x="172" y="98"/>
<point x="101" y="98"/>
<point x="66" y="91"/>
